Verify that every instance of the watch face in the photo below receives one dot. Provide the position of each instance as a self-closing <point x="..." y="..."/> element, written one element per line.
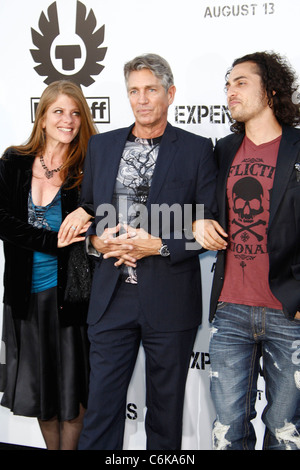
<point x="164" y="251"/>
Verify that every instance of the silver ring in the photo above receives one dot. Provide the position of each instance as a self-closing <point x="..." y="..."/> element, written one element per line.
<point x="73" y="228"/>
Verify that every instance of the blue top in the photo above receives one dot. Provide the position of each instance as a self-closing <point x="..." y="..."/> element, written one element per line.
<point x="44" y="271"/>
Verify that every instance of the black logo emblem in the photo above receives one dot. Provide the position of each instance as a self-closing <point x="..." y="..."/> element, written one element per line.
<point x="59" y="60"/>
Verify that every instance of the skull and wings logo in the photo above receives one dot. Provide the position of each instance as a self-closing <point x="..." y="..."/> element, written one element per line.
<point x="85" y="48"/>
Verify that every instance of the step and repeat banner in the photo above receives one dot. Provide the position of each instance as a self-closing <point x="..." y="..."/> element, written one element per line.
<point x="89" y="41"/>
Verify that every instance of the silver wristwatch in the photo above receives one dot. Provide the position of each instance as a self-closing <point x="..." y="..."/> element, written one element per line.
<point x="164" y="250"/>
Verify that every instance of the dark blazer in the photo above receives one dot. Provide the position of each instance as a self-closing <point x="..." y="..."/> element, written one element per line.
<point x="185" y="173"/>
<point x="20" y="239"/>
<point x="283" y="236"/>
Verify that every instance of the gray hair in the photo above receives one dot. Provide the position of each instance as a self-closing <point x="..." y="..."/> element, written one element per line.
<point x="153" y="62"/>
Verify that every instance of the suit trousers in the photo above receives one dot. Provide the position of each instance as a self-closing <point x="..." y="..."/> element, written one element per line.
<point x="115" y="342"/>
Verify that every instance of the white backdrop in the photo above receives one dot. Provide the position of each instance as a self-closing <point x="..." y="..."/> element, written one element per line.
<point x="200" y="39"/>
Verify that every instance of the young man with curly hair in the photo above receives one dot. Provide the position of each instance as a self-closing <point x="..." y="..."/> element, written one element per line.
<point x="255" y="301"/>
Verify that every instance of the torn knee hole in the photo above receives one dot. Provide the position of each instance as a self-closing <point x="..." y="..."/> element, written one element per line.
<point x="219" y="436"/>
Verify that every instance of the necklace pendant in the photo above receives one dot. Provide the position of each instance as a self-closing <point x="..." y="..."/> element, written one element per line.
<point x="49" y="174"/>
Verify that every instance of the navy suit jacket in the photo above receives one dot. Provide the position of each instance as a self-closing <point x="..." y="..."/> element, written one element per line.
<point x="283" y="235"/>
<point x="185" y="173"/>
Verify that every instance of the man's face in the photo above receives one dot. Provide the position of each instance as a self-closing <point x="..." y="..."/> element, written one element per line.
<point x="247" y="100"/>
<point x="148" y="99"/>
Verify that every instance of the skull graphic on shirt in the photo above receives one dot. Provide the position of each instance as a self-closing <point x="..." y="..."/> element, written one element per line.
<point x="247" y="196"/>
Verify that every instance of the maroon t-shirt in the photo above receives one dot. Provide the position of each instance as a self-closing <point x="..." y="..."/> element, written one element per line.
<point x="249" y="187"/>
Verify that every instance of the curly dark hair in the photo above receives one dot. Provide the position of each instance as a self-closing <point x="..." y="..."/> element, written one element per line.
<point x="280" y="83"/>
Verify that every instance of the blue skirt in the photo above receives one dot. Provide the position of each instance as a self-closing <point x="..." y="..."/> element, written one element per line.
<point x="44" y="368"/>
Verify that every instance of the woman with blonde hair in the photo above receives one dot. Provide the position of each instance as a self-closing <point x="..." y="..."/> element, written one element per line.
<point x="45" y="374"/>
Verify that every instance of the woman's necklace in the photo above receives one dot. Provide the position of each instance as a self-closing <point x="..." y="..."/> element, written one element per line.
<point x="49" y="173"/>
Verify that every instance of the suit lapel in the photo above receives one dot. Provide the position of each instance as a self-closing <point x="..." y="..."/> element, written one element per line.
<point x="229" y="152"/>
<point x="110" y="165"/>
<point x="165" y="157"/>
<point x="287" y="156"/>
<point x="225" y="161"/>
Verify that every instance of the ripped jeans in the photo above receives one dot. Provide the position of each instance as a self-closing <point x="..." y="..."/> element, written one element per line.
<point x="240" y="335"/>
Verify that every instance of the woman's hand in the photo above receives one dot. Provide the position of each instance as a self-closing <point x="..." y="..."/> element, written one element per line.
<point x="65" y="243"/>
<point x="74" y="224"/>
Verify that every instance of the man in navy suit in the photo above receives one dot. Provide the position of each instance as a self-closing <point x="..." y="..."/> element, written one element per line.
<point x="255" y="300"/>
<point x="144" y="182"/>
